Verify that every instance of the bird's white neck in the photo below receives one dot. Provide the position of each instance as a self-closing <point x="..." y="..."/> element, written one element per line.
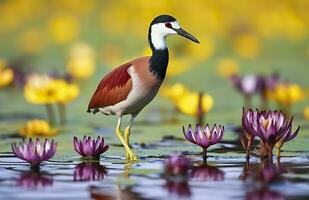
<point x="158" y="32"/>
<point x="158" y="39"/>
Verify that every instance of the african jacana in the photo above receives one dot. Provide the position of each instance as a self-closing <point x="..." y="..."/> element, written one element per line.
<point x="131" y="86"/>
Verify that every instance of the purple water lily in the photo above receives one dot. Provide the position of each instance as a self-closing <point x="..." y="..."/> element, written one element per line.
<point x="90" y="147"/>
<point x="269" y="82"/>
<point x="35" y="152"/>
<point x="247" y="85"/>
<point x="288" y="136"/>
<point x="204" y="137"/>
<point x="271" y="127"/>
<point x="177" y="165"/>
<point x="247" y="137"/>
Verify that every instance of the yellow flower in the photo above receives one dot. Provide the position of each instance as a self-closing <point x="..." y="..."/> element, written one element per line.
<point x="6" y="75"/>
<point x="306" y="113"/>
<point x="247" y="45"/>
<point x="38" y="90"/>
<point x="227" y="67"/>
<point x="42" y="89"/>
<point x="66" y="92"/>
<point x="37" y="127"/>
<point x="188" y="103"/>
<point x="174" y="92"/>
<point x="288" y="94"/>
<point x="63" y="29"/>
<point x="81" y="63"/>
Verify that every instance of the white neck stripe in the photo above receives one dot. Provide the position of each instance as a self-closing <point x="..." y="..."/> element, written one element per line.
<point x="159" y="32"/>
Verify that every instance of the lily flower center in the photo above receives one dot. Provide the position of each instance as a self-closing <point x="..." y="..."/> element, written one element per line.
<point x="265" y="123"/>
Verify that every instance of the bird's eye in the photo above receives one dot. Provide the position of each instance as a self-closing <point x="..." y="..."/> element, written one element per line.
<point x="168" y="25"/>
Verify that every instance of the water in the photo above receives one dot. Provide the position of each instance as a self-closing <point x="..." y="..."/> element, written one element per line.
<point x="226" y="175"/>
<point x="113" y="178"/>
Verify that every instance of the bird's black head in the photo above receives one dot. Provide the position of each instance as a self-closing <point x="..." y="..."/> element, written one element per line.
<point x="162" y="26"/>
<point x="163" y="19"/>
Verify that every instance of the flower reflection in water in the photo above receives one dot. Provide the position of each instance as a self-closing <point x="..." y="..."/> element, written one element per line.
<point x="268" y="175"/>
<point x="180" y="188"/>
<point x="263" y="175"/>
<point x="89" y="171"/>
<point x="34" y="179"/>
<point x="207" y="172"/>
<point x="176" y="169"/>
<point x="177" y="166"/>
<point x="264" y="194"/>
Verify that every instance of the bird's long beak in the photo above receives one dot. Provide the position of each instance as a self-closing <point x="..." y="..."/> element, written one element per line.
<point x="187" y="35"/>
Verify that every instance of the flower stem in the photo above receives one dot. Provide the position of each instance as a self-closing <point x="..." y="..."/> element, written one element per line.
<point x="35" y="167"/>
<point x="263" y="150"/>
<point x="205" y="154"/>
<point x="62" y="113"/>
<point x="50" y="113"/>
<point x="249" y="144"/>
<point x="278" y="150"/>
<point x="270" y="154"/>
<point x="278" y="161"/>
<point x="247" y="161"/>
<point x="266" y="162"/>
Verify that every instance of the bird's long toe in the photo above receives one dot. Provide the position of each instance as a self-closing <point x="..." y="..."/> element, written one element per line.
<point x="131" y="156"/>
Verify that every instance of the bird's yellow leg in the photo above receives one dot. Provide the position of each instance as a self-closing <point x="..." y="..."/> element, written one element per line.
<point x="127" y="133"/>
<point x="127" y="148"/>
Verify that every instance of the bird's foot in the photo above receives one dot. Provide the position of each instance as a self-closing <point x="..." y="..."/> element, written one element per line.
<point x="131" y="156"/>
<point x="126" y="139"/>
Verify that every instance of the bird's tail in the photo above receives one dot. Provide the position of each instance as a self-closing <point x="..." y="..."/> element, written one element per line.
<point x="93" y="110"/>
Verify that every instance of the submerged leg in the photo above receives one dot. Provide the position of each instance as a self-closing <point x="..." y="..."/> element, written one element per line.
<point x="127" y="131"/>
<point x="119" y="135"/>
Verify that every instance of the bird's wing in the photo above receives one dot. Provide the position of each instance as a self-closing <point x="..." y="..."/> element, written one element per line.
<point x="113" y="88"/>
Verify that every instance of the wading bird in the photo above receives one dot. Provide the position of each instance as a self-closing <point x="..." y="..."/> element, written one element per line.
<point x="131" y="86"/>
